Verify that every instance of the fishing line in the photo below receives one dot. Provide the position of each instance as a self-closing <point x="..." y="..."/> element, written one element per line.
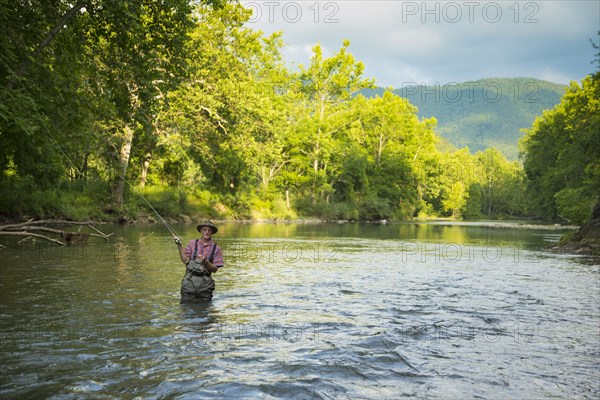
<point x="169" y="228"/>
<point x="156" y="212"/>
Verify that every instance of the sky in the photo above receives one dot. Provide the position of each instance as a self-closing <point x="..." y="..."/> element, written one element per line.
<point x="403" y="43"/>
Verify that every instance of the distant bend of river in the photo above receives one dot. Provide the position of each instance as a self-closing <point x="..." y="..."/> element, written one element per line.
<point x="355" y="311"/>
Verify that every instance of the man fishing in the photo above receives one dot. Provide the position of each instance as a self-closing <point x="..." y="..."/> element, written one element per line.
<point x="201" y="257"/>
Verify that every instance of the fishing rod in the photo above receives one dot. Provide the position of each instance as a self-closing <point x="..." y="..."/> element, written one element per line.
<point x="161" y="218"/>
<point x="169" y="228"/>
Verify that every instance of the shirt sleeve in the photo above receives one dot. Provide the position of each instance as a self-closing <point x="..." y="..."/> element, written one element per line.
<point x="189" y="249"/>
<point x="218" y="259"/>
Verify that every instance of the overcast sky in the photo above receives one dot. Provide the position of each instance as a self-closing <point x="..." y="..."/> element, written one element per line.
<point x="403" y="42"/>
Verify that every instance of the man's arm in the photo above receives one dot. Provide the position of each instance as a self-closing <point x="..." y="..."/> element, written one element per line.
<point x="210" y="267"/>
<point x="217" y="261"/>
<point x="184" y="259"/>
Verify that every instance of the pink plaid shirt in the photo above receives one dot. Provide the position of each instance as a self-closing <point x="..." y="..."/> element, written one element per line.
<point x="205" y="248"/>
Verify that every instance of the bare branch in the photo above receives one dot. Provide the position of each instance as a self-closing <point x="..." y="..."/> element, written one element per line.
<point x="104" y="235"/>
<point x="42" y="222"/>
<point x="25" y="228"/>
<point x="25" y="233"/>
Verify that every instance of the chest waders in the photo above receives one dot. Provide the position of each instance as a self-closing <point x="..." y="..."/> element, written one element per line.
<point x="197" y="284"/>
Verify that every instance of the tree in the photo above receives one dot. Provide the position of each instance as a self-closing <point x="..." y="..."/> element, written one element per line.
<point x="136" y="47"/>
<point x="326" y="85"/>
<point x="96" y="75"/>
<point x="397" y="144"/>
<point x="455" y="179"/>
<point x="562" y="154"/>
<point x="40" y="76"/>
<point x="231" y="108"/>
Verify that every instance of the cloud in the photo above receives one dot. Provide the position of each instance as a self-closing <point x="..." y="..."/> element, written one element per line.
<point x="445" y="41"/>
<point x="549" y="74"/>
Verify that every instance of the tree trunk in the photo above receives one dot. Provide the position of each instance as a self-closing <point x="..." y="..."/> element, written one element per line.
<point x="313" y="193"/>
<point x="379" y="150"/>
<point x="84" y="167"/>
<point x="124" y="154"/>
<point x="264" y="178"/>
<point x="489" y="211"/>
<point x="287" y="198"/>
<point x="145" y="166"/>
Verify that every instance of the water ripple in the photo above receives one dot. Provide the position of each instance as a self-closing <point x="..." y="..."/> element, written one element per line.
<point x="350" y="317"/>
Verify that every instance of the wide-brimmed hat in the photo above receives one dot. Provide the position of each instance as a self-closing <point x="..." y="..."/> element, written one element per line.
<point x="212" y="226"/>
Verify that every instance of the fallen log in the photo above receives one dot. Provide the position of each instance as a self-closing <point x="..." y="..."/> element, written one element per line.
<point x="26" y="228"/>
<point x="44" y="222"/>
<point x="29" y="234"/>
<point x="75" y="237"/>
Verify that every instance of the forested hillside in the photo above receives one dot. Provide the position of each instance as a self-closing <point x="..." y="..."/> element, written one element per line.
<point x="482" y="113"/>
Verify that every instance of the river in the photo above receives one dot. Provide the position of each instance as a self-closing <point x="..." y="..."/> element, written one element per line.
<point x="350" y="311"/>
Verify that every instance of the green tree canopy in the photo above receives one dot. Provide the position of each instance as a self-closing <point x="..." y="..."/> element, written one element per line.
<point x="562" y="154"/>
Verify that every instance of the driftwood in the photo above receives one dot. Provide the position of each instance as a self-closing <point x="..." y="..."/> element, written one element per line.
<point x="26" y="228"/>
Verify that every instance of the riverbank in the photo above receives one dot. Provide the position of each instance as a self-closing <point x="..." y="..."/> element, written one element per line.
<point x="578" y="241"/>
<point x="586" y="240"/>
<point x="194" y="218"/>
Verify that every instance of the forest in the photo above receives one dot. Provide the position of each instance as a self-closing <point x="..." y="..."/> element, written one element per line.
<point x="107" y="106"/>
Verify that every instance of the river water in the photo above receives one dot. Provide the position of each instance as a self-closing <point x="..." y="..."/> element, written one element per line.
<point x="351" y="311"/>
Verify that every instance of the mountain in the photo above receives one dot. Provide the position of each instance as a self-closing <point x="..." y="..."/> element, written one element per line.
<point x="483" y="113"/>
